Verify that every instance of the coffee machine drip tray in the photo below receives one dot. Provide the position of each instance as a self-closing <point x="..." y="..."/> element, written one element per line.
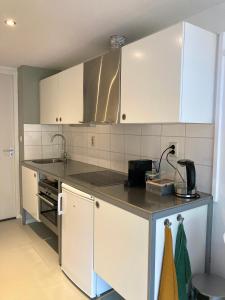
<point x="101" y="178"/>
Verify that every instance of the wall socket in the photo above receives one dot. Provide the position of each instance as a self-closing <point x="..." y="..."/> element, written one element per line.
<point x="93" y="141"/>
<point x="176" y="148"/>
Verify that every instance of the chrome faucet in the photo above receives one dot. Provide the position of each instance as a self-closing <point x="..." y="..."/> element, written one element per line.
<point x="64" y="144"/>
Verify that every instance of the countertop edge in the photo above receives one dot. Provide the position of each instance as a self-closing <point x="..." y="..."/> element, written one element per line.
<point x="124" y="205"/>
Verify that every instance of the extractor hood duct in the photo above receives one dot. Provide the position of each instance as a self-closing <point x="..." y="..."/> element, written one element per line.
<point x="102" y="88"/>
<point x="102" y="85"/>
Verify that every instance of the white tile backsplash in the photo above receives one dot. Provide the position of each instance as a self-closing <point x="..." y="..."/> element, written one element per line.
<point x="103" y="129"/>
<point x="52" y="128"/>
<point x="133" y="144"/>
<point x="200" y="150"/>
<point x="32" y="152"/>
<point x="117" y="161"/>
<point x="79" y="139"/>
<point x="32" y="138"/>
<point x="49" y="151"/>
<point x="151" y="129"/>
<point x="37" y="141"/>
<point x="32" y="127"/>
<point x="200" y="130"/>
<point x="132" y="129"/>
<point x="47" y="136"/>
<point x="204" y="178"/>
<point x="117" y="129"/>
<point x="102" y="141"/>
<point x="116" y="144"/>
<point x="151" y="146"/>
<point x="173" y="130"/>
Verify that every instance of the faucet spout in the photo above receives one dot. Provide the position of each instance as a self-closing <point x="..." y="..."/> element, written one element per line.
<point x="65" y="156"/>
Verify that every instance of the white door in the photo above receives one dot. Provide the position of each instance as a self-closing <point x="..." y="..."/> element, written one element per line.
<point x="77" y="240"/>
<point x="7" y="146"/>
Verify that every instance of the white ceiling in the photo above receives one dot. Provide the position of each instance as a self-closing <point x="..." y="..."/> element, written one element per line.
<point x="60" y="33"/>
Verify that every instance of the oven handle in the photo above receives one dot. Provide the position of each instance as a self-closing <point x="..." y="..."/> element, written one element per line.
<point x="60" y="211"/>
<point x="45" y="200"/>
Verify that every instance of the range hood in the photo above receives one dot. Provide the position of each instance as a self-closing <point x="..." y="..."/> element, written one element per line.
<point x="102" y="89"/>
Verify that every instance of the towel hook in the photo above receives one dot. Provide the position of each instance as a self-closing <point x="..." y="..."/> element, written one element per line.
<point x="167" y="223"/>
<point x="180" y="219"/>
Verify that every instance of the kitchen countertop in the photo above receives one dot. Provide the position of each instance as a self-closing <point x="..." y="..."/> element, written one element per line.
<point x="135" y="200"/>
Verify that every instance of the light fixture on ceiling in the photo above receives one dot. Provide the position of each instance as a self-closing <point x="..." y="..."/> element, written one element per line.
<point x="10" y="22"/>
<point x="117" y="41"/>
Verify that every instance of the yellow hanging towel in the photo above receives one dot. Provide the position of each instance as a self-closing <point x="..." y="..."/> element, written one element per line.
<point x="168" y="283"/>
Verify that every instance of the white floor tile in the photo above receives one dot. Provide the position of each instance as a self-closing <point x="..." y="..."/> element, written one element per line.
<point x="29" y="267"/>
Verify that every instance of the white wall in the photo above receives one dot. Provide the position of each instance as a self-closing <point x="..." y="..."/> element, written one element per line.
<point x="37" y="142"/>
<point x="115" y="145"/>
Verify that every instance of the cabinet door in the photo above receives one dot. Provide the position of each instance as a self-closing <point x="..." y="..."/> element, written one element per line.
<point x="30" y="190"/>
<point x="198" y="75"/>
<point x="71" y="95"/>
<point x="195" y="225"/>
<point x="77" y="240"/>
<point x="121" y="250"/>
<point x="49" y="100"/>
<point x="150" y="78"/>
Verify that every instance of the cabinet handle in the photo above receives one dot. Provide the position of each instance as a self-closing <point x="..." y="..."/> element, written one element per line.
<point x="35" y="175"/>
<point x="124" y="116"/>
<point x="60" y="211"/>
<point x="56" y="119"/>
<point x="60" y="119"/>
<point x="97" y="204"/>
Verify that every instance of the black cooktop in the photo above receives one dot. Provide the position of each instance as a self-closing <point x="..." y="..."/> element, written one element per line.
<point x="101" y="178"/>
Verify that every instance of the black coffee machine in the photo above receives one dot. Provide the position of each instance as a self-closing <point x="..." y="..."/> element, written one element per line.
<point x="136" y="172"/>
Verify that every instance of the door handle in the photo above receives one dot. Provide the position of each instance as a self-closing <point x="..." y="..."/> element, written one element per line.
<point x="60" y="211"/>
<point x="45" y="200"/>
<point x="10" y="151"/>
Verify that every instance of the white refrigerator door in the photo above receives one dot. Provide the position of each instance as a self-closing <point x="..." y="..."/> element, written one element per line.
<point x="77" y="239"/>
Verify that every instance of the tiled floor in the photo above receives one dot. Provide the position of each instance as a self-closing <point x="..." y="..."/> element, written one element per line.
<point x="29" y="268"/>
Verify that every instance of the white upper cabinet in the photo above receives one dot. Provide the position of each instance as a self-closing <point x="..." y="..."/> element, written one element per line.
<point x="168" y="77"/>
<point x="61" y="97"/>
<point x="49" y="99"/>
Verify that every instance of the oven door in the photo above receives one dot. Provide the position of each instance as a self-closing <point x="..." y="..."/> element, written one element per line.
<point x="48" y="212"/>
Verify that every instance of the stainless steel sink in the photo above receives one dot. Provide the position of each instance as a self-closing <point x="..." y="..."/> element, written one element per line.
<point x="47" y="160"/>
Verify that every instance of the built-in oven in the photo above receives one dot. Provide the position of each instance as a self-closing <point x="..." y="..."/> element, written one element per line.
<point x="48" y="204"/>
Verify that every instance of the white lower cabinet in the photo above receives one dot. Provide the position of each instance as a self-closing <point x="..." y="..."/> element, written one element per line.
<point x="30" y="191"/>
<point x="78" y="241"/>
<point x="121" y="250"/>
<point x="195" y="225"/>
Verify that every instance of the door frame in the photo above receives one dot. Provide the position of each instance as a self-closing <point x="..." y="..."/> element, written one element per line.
<point x="219" y="118"/>
<point x="13" y="72"/>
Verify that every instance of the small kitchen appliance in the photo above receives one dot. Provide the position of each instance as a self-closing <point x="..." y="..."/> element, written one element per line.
<point x="137" y="170"/>
<point x="48" y="203"/>
<point x="185" y="179"/>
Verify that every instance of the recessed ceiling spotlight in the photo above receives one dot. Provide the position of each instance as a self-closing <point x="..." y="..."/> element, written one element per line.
<point x="10" y="22"/>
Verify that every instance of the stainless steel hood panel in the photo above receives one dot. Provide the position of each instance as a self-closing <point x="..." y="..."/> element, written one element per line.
<point x="102" y="88"/>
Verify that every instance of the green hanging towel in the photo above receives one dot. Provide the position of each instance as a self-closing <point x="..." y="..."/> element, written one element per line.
<point x="182" y="263"/>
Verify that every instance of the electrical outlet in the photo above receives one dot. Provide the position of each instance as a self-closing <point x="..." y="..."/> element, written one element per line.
<point x="176" y="148"/>
<point x="93" y="141"/>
